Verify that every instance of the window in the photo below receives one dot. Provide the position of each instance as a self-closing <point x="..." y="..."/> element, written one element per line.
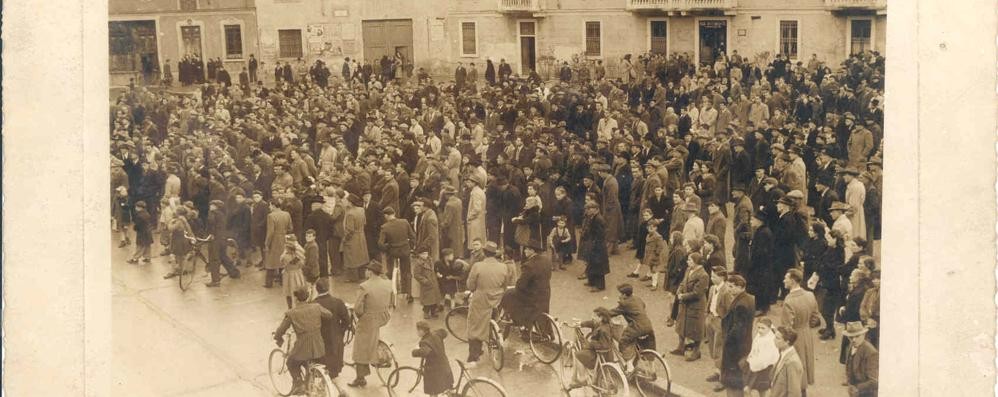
<point x="233" y="42"/>
<point x="788" y="39"/>
<point x="188" y="5"/>
<point x="659" y="41"/>
<point x="289" y="43"/>
<point x="593" y="39"/>
<point x="469" y="38"/>
<point x="861" y="31"/>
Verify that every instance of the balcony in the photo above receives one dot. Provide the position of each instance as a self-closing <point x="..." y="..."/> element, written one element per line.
<point x="857" y="5"/>
<point x="682" y="6"/>
<point x="519" y="6"/>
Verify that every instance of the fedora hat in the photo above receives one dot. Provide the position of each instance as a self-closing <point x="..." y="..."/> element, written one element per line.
<point x="787" y="200"/>
<point x="839" y="206"/>
<point x="854" y="328"/>
<point x="849" y="170"/>
<point x="490" y="246"/>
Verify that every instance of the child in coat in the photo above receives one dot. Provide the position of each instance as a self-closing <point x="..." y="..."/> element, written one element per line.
<point x="562" y="243"/>
<point x="452" y="275"/>
<point x="656" y="253"/>
<point x="424" y="274"/>
<point x="437" y="375"/>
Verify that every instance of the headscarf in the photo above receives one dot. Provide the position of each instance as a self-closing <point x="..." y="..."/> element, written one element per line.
<point x="764" y="352"/>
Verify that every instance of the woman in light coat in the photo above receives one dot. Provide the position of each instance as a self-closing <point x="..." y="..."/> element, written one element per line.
<point x="476" y="211"/>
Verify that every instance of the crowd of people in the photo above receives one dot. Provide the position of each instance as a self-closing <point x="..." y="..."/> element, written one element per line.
<point x="484" y="185"/>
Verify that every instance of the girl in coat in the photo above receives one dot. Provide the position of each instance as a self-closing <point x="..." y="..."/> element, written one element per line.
<point x="424" y="273"/>
<point x="562" y="243"/>
<point x="294" y="261"/>
<point x="692" y="301"/>
<point x="437" y="375"/>
<point x="675" y="269"/>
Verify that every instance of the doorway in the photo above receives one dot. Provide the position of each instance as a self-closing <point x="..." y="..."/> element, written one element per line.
<point x="386" y="37"/>
<point x="713" y="37"/>
<point x="528" y="46"/>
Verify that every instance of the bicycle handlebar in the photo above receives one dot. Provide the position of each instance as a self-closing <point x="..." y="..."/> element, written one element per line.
<point x="195" y="239"/>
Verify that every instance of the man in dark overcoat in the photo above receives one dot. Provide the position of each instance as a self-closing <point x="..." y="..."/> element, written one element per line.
<point x="532" y="295"/>
<point x="332" y="328"/>
<point x="737" y="330"/>
<point x="592" y="248"/>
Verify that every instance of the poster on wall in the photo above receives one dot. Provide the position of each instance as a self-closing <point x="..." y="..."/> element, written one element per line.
<point x="349" y="47"/>
<point x="348" y="32"/>
<point x="436" y="30"/>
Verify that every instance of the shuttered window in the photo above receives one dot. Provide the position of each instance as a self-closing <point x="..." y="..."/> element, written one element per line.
<point x="290" y="43"/>
<point x="594" y="33"/>
<point x="788" y="38"/>
<point x="233" y="42"/>
<point x="469" y="38"/>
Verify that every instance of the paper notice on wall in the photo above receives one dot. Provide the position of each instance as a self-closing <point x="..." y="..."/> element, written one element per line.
<point x="315" y="31"/>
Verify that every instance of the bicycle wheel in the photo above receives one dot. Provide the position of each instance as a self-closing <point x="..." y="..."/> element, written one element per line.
<point x="482" y="387"/>
<point x="457" y="323"/>
<point x="610" y="381"/>
<point x="277" y="367"/>
<point x="403" y="381"/>
<point x="186" y="276"/>
<point x="652" y="375"/>
<point x="319" y="383"/>
<point x="494" y="345"/>
<point x="545" y="339"/>
<point x="386" y="362"/>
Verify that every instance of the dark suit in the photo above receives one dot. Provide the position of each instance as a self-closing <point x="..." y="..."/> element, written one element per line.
<point x="395" y="240"/>
<point x="322" y="223"/>
<point x="862" y="369"/>
<point x="332" y="332"/>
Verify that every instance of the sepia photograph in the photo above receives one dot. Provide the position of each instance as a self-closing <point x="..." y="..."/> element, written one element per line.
<point x="496" y="197"/>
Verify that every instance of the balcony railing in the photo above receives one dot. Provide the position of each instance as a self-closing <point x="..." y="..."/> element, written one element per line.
<point x="519" y="5"/>
<point x="681" y="5"/>
<point x="856" y="4"/>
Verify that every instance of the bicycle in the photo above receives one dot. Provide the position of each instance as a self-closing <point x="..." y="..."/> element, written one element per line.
<point x="608" y="378"/>
<point x="186" y="277"/>
<point x="315" y="377"/>
<point x="648" y="370"/>
<point x="475" y="386"/>
<point x="386" y="362"/>
<point x="544" y="335"/>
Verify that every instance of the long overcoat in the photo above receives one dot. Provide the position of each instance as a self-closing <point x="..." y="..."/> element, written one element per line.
<point x="592" y="246"/>
<point x="451" y="225"/>
<point x="737" y="330"/>
<point x="487" y="281"/>
<point x="307" y="322"/>
<point x="692" y="296"/>
<point x="476" y="215"/>
<point x="612" y="212"/>
<point x="532" y="295"/>
<point x="354" y="245"/>
<point x="425" y="274"/>
<point x="437" y="375"/>
<point x="278" y="226"/>
<point x="372" y="313"/>
<point x="427" y="234"/>
<point x="333" y="330"/>
<point x="799" y="308"/>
